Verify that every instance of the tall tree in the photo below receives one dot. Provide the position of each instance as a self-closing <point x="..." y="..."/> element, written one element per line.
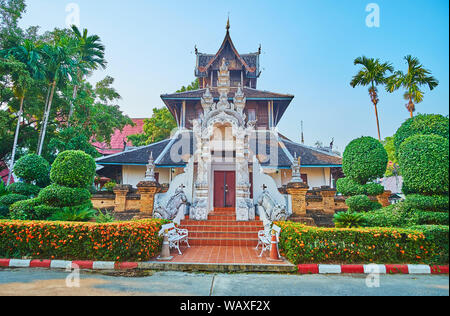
<point x="372" y="74"/>
<point x="91" y="56"/>
<point x="24" y="64"/>
<point x="416" y="77"/>
<point x="60" y="67"/>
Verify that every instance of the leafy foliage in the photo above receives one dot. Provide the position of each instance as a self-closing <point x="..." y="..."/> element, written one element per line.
<point x="422" y="124"/>
<point x="412" y="81"/>
<point x="125" y="241"/>
<point x="434" y="203"/>
<point x="110" y="186"/>
<point x="61" y="196"/>
<point x="364" y="159"/>
<point x="74" y="214"/>
<point x="348" y="219"/>
<point x="8" y="200"/>
<point x="106" y="217"/>
<point x="31" y="168"/>
<point x="424" y="164"/>
<point x="24" y="210"/>
<point x="302" y="244"/>
<point x="362" y="203"/>
<point x="74" y="169"/>
<point x="156" y="129"/>
<point x="26" y="189"/>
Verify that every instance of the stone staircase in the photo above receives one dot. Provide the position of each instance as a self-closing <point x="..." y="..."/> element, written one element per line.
<point x="222" y="229"/>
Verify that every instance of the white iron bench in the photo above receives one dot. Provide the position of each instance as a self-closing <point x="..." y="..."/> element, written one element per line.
<point x="265" y="239"/>
<point x="176" y="236"/>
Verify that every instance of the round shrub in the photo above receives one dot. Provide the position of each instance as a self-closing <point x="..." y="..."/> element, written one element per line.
<point x="422" y="124"/>
<point x="373" y="189"/>
<point x="364" y="159"/>
<point x="22" y="188"/>
<point x="434" y="203"/>
<point x="10" y="199"/>
<point x="362" y="203"/>
<point x="31" y="168"/>
<point x="60" y="196"/>
<point x="74" y="169"/>
<point x="4" y="212"/>
<point x="348" y="187"/>
<point x="24" y="210"/>
<point x="44" y="212"/>
<point x="424" y="164"/>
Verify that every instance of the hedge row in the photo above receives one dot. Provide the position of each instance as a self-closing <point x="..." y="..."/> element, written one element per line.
<point x="302" y="244"/>
<point x="125" y="241"/>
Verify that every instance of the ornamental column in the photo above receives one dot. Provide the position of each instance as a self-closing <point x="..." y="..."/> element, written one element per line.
<point x="120" y="201"/>
<point x="297" y="189"/>
<point x="148" y="189"/>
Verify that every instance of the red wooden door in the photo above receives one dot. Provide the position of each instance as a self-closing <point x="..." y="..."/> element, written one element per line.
<point x="224" y="189"/>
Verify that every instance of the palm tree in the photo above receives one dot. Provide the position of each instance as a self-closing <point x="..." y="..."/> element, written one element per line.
<point x="60" y="66"/>
<point x="25" y="65"/>
<point x="91" y="56"/>
<point x="372" y="74"/>
<point x="416" y="77"/>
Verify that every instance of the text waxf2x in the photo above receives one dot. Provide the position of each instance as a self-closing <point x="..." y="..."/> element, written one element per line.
<point x="227" y="306"/>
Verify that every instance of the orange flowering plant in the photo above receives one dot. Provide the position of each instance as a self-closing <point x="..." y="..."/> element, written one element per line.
<point x="120" y="241"/>
<point x="302" y="244"/>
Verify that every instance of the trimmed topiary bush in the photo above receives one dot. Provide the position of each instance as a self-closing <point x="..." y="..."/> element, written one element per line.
<point x="348" y="187"/>
<point x="44" y="212"/>
<point x="60" y="196"/>
<point x="31" y="168"/>
<point x="22" y="188"/>
<point x="434" y="203"/>
<point x="73" y="169"/>
<point x="373" y="189"/>
<point x="364" y="160"/>
<point x="10" y="199"/>
<point x="24" y="210"/>
<point x="4" y="212"/>
<point x="422" y="124"/>
<point x="424" y="164"/>
<point x="362" y="203"/>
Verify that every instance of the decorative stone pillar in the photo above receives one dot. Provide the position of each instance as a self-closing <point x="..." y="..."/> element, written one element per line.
<point x="147" y="190"/>
<point x="120" y="202"/>
<point x="383" y="199"/>
<point x="328" y="196"/>
<point x="298" y="192"/>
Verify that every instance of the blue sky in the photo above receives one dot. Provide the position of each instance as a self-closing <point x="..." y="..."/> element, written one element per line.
<point x="308" y="50"/>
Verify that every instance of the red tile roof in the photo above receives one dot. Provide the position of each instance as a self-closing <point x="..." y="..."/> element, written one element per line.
<point x="119" y="138"/>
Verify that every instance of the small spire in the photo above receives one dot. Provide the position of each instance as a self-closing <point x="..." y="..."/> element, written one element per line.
<point x="228" y="23"/>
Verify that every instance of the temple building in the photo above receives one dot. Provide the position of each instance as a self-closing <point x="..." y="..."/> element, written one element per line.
<point x="227" y="149"/>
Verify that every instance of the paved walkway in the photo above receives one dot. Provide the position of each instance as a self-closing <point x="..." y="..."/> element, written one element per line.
<point x="48" y="282"/>
<point x="222" y="254"/>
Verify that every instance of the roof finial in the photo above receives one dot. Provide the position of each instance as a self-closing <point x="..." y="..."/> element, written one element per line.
<point x="228" y="22"/>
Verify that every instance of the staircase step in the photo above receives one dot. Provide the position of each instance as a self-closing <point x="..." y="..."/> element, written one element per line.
<point x="222" y="228"/>
<point x="224" y="235"/>
<point x="220" y="223"/>
<point x="195" y="241"/>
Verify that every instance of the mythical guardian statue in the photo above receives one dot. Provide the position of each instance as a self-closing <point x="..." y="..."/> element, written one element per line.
<point x="270" y="211"/>
<point x="175" y="208"/>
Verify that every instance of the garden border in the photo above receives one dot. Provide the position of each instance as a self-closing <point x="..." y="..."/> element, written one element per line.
<point x="301" y="268"/>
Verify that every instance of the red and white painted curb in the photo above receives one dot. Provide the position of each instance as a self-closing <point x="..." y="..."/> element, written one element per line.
<point x="372" y="268"/>
<point x="60" y="264"/>
<point x="302" y="268"/>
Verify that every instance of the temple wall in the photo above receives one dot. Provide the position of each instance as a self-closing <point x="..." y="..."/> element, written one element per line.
<point x="317" y="177"/>
<point x="132" y="175"/>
